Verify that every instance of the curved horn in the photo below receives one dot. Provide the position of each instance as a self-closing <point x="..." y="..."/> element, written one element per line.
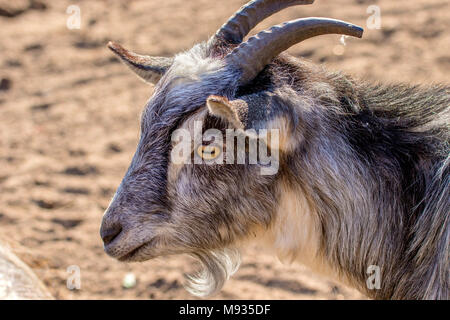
<point x="249" y="15"/>
<point x="258" y="51"/>
<point x="150" y="69"/>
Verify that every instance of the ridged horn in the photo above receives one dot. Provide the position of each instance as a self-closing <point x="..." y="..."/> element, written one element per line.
<point x="258" y="51"/>
<point x="249" y="15"/>
<point x="150" y="69"/>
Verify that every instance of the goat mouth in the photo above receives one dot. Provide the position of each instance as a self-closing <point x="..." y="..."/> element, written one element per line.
<point x="135" y="254"/>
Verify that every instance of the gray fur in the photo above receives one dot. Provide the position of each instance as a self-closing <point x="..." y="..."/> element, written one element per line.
<point x="372" y="162"/>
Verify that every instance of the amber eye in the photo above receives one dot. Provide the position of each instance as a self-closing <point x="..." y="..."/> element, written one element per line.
<point x="208" y="152"/>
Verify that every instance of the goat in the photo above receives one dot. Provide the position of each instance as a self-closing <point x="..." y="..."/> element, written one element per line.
<point x="363" y="176"/>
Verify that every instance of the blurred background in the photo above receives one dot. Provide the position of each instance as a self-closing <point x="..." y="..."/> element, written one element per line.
<point x="69" y="125"/>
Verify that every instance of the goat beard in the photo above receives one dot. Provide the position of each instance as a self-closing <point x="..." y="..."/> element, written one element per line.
<point x="217" y="267"/>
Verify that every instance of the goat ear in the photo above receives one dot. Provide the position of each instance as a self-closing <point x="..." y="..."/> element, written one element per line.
<point x="254" y="113"/>
<point x="235" y="112"/>
<point x="150" y="69"/>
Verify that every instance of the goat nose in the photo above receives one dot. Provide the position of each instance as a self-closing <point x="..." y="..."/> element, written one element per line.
<point x="110" y="233"/>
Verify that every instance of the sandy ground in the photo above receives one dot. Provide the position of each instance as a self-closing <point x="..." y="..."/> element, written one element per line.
<point x="69" y="124"/>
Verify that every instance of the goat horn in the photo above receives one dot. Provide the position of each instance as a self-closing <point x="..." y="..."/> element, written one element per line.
<point x="249" y="15"/>
<point x="258" y="51"/>
<point x="150" y="69"/>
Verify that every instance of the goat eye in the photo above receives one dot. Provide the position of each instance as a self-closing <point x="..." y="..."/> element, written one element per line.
<point x="208" y="152"/>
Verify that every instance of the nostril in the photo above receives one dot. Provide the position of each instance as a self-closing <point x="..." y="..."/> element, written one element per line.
<point x="109" y="234"/>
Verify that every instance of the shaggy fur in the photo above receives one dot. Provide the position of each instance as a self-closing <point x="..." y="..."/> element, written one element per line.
<point x="364" y="181"/>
